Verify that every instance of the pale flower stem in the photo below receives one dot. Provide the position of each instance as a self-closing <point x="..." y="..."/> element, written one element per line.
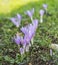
<point x="29" y="44"/>
<point x="41" y="19"/>
<point x="32" y="41"/>
<point x="51" y="53"/>
<point x="32" y="19"/>
<point x="18" y="47"/>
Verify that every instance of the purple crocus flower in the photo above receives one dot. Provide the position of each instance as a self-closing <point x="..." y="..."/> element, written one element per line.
<point x="27" y="34"/>
<point x="29" y="31"/>
<point x="30" y="13"/>
<point x="35" y="23"/>
<point x="45" y="6"/>
<point x="23" y="42"/>
<point x="27" y="39"/>
<point x="41" y="15"/>
<point x="16" y="20"/>
<point x="31" y="28"/>
<point x="41" y="12"/>
<point x="22" y="51"/>
<point x="17" y="39"/>
<point x="24" y="29"/>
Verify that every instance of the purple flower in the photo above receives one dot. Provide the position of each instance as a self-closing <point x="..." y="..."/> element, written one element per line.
<point x="23" y="42"/>
<point x="29" y="31"/>
<point x="35" y="23"/>
<point x="21" y="51"/>
<point x="30" y="13"/>
<point x="27" y="39"/>
<point x="45" y="6"/>
<point x="16" y="20"/>
<point x="41" y="12"/>
<point x="17" y="39"/>
<point x="26" y="32"/>
<point x="19" y="16"/>
<point x="41" y="15"/>
<point x="24" y="29"/>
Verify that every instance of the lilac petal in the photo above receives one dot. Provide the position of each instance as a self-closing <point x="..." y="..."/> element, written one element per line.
<point x="13" y="20"/>
<point x="28" y="33"/>
<point x="31" y="31"/>
<point x="30" y="13"/>
<point x="17" y="23"/>
<point x="22" y="41"/>
<point x="45" y="6"/>
<point x="33" y="28"/>
<point x="17" y="39"/>
<point x="41" y="12"/>
<point x="21" y="51"/>
<point x="26" y="38"/>
<point x="16" y="20"/>
<point x="24" y="30"/>
<point x="35" y="23"/>
<point x="19" y="17"/>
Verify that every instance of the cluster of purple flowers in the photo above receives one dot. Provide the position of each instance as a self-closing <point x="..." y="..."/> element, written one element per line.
<point x="29" y="30"/>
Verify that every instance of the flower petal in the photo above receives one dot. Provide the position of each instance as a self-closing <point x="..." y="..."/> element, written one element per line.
<point x="41" y="12"/>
